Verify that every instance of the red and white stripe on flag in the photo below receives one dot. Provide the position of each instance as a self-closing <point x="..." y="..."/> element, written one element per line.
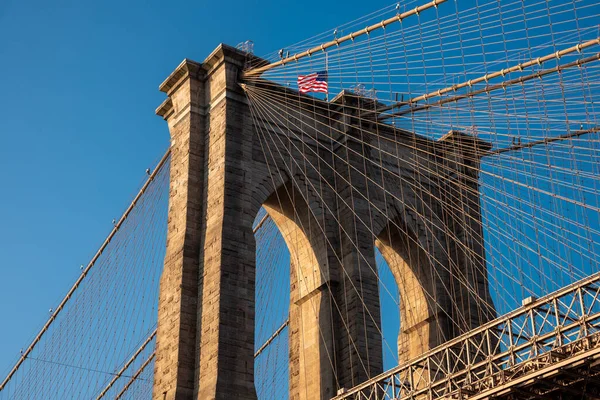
<point x="315" y="82"/>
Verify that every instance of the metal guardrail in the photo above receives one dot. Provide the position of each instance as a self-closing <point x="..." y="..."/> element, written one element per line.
<point x="549" y="333"/>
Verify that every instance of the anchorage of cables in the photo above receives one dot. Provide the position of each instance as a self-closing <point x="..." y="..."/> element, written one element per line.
<point x="472" y="128"/>
<point x="99" y="342"/>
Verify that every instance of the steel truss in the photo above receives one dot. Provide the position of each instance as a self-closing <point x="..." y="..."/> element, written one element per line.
<point x="547" y="349"/>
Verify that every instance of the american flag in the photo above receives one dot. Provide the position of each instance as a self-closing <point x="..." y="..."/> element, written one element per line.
<point x="315" y="82"/>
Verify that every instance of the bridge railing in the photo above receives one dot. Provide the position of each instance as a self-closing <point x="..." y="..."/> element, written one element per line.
<point x="558" y="327"/>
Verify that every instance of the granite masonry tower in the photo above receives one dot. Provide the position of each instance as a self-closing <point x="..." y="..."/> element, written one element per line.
<point x="219" y="180"/>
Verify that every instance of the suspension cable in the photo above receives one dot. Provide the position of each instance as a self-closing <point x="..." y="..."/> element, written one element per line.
<point x="337" y="42"/>
<point x="86" y="270"/>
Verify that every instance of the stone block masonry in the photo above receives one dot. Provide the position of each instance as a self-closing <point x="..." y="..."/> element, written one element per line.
<point x="221" y="176"/>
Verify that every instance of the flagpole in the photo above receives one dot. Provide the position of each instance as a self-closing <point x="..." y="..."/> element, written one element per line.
<point x="327" y="72"/>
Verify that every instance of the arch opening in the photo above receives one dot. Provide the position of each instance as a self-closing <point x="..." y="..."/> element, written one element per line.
<point x="389" y="300"/>
<point x="420" y="328"/>
<point x="271" y="331"/>
<point x="291" y="255"/>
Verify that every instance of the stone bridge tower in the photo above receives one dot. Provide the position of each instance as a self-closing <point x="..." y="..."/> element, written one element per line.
<point x="219" y="179"/>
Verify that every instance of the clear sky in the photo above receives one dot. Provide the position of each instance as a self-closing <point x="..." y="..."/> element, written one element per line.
<point x="80" y="81"/>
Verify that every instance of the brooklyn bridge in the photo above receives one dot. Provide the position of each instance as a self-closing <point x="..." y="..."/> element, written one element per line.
<point x="404" y="207"/>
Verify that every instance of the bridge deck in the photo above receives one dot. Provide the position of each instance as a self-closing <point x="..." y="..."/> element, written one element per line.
<point x="545" y="350"/>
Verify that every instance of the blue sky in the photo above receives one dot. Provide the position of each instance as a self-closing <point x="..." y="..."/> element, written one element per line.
<point x="80" y="81"/>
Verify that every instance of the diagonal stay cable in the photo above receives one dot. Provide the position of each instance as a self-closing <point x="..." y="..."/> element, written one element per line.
<point x="127" y="364"/>
<point x="136" y="376"/>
